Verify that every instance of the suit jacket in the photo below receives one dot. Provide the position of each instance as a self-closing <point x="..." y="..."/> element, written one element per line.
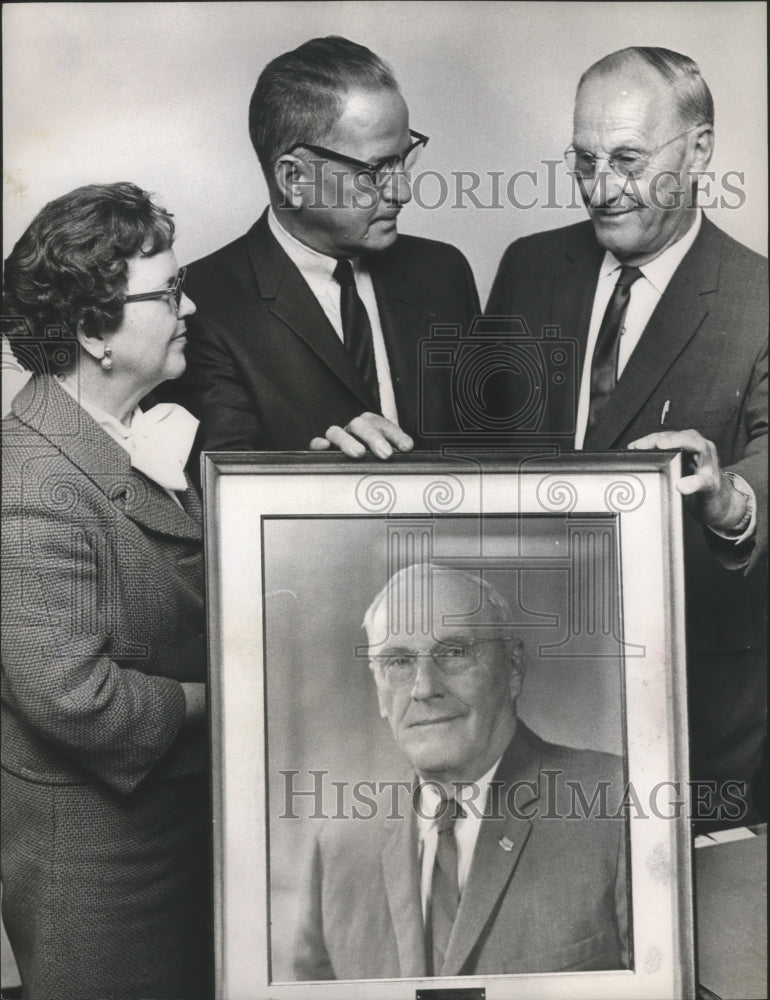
<point x="267" y="371"/>
<point x="362" y="918"/>
<point x="102" y="606"/>
<point x="704" y="353"/>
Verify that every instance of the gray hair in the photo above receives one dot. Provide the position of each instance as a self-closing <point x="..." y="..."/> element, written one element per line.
<point x="409" y="579"/>
<point x="693" y="97"/>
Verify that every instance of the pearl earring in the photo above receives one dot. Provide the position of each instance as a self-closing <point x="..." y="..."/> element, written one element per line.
<point x="106" y="361"/>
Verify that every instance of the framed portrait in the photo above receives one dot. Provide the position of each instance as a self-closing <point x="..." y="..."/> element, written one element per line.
<point x="512" y="625"/>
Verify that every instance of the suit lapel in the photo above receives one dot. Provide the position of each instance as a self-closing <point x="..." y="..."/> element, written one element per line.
<point x="294" y="305"/>
<point x="502" y="837"/>
<point x="401" y="872"/>
<point x="398" y="314"/>
<point x="571" y="306"/>
<point x="676" y="319"/>
<point x="52" y="412"/>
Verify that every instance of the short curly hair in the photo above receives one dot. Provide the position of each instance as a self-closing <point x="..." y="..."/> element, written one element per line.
<point x="69" y="270"/>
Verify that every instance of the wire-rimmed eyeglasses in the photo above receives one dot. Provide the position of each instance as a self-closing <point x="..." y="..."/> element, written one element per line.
<point x="623" y="162"/>
<point x="452" y="657"/>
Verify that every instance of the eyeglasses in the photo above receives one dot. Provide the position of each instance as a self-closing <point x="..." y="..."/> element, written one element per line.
<point x="453" y="657"/>
<point x="623" y="162"/>
<point x="380" y="172"/>
<point x="172" y="294"/>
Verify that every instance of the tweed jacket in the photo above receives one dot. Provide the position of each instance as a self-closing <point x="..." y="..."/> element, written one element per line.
<point x="543" y="894"/>
<point x="102" y="605"/>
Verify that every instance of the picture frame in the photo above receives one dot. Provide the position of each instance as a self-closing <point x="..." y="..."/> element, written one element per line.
<point x="587" y="551"/>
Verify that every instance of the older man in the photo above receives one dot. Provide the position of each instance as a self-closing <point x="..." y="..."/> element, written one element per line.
<point x="670" y="319"/>
<point x="469" y="877"/>
<point x="309" y="325"/>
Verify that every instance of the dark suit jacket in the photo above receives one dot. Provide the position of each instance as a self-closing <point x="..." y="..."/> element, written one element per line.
<point x="265" y="368"/>
<point x="704" y="351"/>
<point x="362" y="915"/>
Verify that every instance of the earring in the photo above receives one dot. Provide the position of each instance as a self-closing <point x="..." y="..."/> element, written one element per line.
<point x="106" y="361"/>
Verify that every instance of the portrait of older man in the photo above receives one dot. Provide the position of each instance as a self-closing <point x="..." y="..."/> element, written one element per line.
<point x="309" y="324"/>
<point x="670" y="319"/>
<point x="469" y="877"/>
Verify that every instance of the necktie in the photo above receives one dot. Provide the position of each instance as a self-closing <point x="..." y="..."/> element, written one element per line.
<point x="356" y="328"/>
<point x="444" y="889"/>
<point x="604" y="366"/>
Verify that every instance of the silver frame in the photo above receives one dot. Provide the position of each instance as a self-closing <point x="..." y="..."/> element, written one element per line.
<point x="638" y="487"/>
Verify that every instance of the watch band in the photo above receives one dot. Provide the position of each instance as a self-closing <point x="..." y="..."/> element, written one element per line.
<point x="740" y="485"/>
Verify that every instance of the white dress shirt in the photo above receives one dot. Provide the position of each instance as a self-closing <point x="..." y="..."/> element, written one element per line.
<point x="466" y="829"/>
<point x="646" y="293"/>
<point x="318" y="271"/>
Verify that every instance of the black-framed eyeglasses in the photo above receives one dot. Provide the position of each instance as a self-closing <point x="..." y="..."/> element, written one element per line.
<point x="623" y="162"/>
<point x="172" y="294"/>
<point x="380" y="172"/>
<point x="452" y="657"/>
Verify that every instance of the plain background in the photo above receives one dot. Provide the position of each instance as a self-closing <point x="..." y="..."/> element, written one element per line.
<point x="157" y="93"/>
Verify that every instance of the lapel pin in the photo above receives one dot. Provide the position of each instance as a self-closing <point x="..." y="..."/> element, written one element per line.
<point x="506" y="844"/>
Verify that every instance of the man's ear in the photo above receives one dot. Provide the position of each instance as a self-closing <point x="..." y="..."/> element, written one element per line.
<point x="518" y="668"/>
<point x="380" y="696"/>
<point x="290" y="179"/>
<point x="704" y="148"/>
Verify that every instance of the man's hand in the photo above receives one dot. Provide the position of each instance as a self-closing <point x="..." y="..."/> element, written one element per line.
<point x="709" y="494"/>
<point x="369" y="431"/>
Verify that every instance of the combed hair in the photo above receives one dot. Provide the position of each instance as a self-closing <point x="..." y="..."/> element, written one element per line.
<point x="70" y="269"/>
<point x="682" y="74"/>
<point x="497" y="609"/>
<point x="299" y="95"/>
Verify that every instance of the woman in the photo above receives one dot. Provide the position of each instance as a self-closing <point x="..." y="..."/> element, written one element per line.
<point x="104" y="786"/>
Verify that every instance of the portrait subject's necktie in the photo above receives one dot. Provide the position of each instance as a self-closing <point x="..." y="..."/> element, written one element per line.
<point x="356" y="328"/>
<point x="604" y="366"/>
<point x="444" y="889"/>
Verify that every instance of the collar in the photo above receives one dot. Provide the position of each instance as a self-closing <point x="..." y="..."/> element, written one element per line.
<point x="473" y="791"/>
<point x="158" y="442"/>
<point x="661" y="270"/>
<point x="117" y="430"/>
<point x="311" y="263"/>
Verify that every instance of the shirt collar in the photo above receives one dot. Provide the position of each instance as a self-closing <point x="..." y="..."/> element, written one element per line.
<point x="661" y="270"/>
<point x="118" y="431"/>
<point x="311" y="263"/>
<point x="475" y="791"/>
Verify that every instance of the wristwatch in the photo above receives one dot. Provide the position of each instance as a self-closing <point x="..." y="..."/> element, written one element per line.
<point x="740" y="484"/>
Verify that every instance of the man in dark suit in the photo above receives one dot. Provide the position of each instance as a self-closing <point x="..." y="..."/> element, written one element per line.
<point x="309" y="326"/>
<point x="468" y="876"/>
<point x="670" y="319"/>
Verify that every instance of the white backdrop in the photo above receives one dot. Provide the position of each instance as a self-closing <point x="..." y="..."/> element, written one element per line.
<point x="157" y="93"/>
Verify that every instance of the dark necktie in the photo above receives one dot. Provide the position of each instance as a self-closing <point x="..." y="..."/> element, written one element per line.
<point x="604" y="366"/>
<point x="444" y="889"/>
<point x="356" y="328"/>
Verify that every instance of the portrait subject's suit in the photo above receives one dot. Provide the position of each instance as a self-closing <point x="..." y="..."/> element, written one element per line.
<point x="266" y="369"/>
<point x="543" y="894"/>
<point x="105" y="812"/>
<point x="701" y="363"/>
